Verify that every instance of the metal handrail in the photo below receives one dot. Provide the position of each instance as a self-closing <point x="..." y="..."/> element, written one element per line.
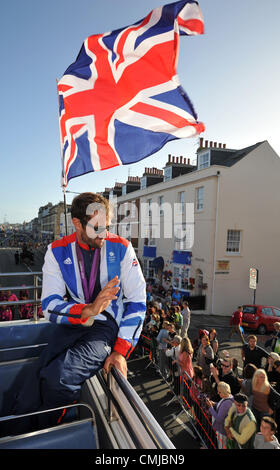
<point x="20" y="302"/>
<point x="4" y="289"/>
<point x="48" y="410"/>
<point x="24" y="273"/>
<point x="143" y="413"/>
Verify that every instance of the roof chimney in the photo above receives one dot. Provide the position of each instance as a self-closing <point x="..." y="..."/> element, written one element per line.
<point x="201" y="142"/>
<point x="206" y="143"/>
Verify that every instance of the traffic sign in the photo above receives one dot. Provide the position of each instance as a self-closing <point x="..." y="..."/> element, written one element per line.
<point x="253" y="278"/>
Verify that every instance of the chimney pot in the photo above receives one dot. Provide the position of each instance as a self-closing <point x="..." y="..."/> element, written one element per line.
<point x="220" y="145"/>
<point x="177" y="159"/>
<point x="224" y="146"/>
<point x="201" y="142"/>
<point x="185" y="160"/>
<point x="211" y="143"/>
<point x="189" y="161"/>
<point x="206" y="143"/>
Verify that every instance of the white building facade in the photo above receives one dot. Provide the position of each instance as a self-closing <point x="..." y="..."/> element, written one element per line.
<point x="207" y="225"/>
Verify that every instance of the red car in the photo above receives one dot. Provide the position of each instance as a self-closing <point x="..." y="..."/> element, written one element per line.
<point x="260" y="317"/>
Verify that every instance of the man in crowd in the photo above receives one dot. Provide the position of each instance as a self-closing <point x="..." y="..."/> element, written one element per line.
<point x="173" y="355"/>
<point x="235" y="323"/>
<point x="186" y="314"/>
<point x="253" y="354"/>
<point x="240" y="424"/>
<point x="226" y="375"/>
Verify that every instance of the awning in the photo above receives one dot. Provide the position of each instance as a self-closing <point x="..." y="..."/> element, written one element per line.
<point x="182" y="257"/>
<point x="150" y="251"/>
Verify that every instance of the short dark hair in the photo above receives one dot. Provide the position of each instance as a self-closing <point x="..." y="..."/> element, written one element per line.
<point x="240" y="398"/>
<point x="269" y="420"/>
<point x="249" y="371"/>
<point x="252" y="337"/>
<point x="81" y="203"/>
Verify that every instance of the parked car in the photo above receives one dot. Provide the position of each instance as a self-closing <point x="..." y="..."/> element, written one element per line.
<point x="260" y="317"/>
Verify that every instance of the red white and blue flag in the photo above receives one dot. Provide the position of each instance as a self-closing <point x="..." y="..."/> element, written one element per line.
<point x="121" y="100"/>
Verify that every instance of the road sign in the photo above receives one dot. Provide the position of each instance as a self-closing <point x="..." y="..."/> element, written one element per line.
<point x="253" y="278"/>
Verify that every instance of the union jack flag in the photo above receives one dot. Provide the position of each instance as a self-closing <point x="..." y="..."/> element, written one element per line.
<point x="121" y="100"/>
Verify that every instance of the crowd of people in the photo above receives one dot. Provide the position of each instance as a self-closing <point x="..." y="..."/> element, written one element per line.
<point x="9" y="312"/>
<point x="241" y="400"/>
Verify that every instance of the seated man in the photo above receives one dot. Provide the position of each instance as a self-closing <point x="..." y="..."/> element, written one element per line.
<point x="94" y="290"/>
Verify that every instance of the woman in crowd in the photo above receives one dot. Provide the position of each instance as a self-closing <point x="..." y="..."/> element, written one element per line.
<point x="154" y="321"/>
<point x="214" y="341"/>
<point x="197" y="341"/>
<point x="260" y="391"/>
<point x="196" y="380"/>
<point x="185" y="357"/>
<point x="269" y="368"/>
<point x="205" y="356"/>
<point x="219" y="412"/>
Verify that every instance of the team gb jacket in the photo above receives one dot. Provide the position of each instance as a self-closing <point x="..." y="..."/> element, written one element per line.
<point x="117" y="257"/>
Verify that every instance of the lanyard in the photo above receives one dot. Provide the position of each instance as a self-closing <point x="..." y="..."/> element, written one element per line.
<point x="88" y="287"/>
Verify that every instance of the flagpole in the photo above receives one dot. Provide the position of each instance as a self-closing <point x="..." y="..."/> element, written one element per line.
<point x="64" y="187"/>
<point x="65" y="211"/>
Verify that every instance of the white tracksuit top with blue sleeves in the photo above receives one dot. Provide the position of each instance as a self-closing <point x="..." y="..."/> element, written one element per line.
<point x="117" y="257"/>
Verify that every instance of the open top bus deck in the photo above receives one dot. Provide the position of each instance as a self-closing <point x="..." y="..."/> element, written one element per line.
<point x="110" y="414"/>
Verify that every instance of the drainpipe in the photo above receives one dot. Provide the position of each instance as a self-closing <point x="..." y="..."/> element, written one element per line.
<point x="215" y="243"/>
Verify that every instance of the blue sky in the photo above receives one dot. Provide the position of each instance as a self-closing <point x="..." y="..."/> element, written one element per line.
<point x="231" y="74"/>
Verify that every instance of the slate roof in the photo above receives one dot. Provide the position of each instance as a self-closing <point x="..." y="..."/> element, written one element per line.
<point x="228" y="157"/>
